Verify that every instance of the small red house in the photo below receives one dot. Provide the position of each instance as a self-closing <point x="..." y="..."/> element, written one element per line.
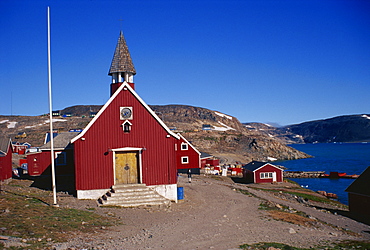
<point x="208" y="160"/>
<point x="359" y="197"/>
<point x="5" y="158"/>
<point x="20" y="148"/>
<point x="187" y="156"/>
<point x="38" y="162"/>
<point x="262" y="172"/>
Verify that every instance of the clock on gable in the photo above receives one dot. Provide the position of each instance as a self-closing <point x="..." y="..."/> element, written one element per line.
<point x="125" y="113"/>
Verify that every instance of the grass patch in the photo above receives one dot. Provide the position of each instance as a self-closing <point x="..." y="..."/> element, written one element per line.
<point x="311" y="197"/>
<point x="267" y="245"/>
<point x="359" y="245"/>
<point x="265" y="206"/>
<point x="293" y="218"/>
<point x="36" y="222"/>
<point x="350" y="244"/>
<point x="305" y="194"/>
<point x="283" y="213"/>
<point x="217" y="177"/>
<point x="246" y="192"/>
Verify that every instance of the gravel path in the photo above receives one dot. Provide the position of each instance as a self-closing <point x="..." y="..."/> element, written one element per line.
<point x="213" y="215"/>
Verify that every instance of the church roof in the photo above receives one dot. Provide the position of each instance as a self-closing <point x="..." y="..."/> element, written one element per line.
<point x="122" y="61"/>
<point x="61" y="141"/>
<point x="4" y="145"/>
<point x="254" y="165"/>
<point x="126" y="86"/>
<point x="361" y="185"/>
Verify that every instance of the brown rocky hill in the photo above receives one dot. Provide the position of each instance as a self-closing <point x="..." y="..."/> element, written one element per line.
<point x="227" y="138"/>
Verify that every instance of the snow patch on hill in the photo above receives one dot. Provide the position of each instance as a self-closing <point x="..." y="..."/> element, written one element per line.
<point x="223" y="128"/>
<point x="47" y="121"/>
<point x="223" y="115"/>
<point x="56" y="120"/>
<point x="271" y="158"/>
<point x="12" y="124"/>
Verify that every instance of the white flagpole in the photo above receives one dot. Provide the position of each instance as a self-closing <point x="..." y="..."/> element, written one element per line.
<point x="51" y="120"/>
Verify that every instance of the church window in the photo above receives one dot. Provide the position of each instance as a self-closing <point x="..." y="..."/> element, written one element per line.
<point x="184" y="146"/>
<point x="126" y="127"/>
<point x="185" y="160"/>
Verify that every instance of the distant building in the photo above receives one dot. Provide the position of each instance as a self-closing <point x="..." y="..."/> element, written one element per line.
<point x="20" y="148"/>
<point x="208" y="160"/>
<point x="359" y="197"/>
<point x="21" y="135"/>
<point x="206" y="127"/>
<point x="262" y="172"/>
<point x="55" y="113"/>
<point x="75" y="130"/>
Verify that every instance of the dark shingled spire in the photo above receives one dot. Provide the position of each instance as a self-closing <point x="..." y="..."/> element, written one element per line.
<point x="122" y="60"/>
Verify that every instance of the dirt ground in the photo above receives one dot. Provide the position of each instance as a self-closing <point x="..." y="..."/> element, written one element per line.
<point x="215" y="215"/>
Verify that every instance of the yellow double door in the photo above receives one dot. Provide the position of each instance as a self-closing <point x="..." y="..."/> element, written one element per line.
<point x="126" y="168"/>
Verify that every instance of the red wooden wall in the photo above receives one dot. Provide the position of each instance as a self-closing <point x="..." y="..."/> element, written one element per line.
<point x="37" y="163"/>
<point x="6" y="165"/>
<point x="40" y="162"/>
<point x="211" y="162"/>
<point x="193" y="156"/>
<point x="94" y="161"/>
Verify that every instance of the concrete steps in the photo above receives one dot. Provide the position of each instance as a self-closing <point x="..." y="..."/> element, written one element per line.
<point x="132" y="195"/>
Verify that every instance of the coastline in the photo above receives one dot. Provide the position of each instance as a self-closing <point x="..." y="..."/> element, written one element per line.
<point x="349" y="158"/>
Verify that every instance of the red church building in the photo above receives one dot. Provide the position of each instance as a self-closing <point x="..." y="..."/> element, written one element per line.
<point x="126" y="142"/>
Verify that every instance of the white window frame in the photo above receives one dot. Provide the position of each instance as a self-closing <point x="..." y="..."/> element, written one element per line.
<point x="185" y="160"/>
<point x="128" y="125"/>
<point x="184" y="146"/>
<point x="266" y="175"/>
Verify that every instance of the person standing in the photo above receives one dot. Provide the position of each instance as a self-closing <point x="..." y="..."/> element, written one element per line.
<point x="189" y="175"/>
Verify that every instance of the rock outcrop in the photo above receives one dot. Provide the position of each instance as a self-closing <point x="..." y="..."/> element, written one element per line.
<point x="228" y="138"/>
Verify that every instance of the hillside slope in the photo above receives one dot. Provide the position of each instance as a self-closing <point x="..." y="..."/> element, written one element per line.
<point x="229" y="139"/>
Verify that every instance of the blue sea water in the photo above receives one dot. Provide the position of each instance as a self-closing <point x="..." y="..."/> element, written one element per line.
<point x="350" y="158"/>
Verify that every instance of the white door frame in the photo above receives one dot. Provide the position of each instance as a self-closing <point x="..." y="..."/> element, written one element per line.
<point x="128" y="149"/>
<point x="274" y="179"/>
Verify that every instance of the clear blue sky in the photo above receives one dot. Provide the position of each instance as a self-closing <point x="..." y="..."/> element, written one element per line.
<point x="261" y="61"/>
